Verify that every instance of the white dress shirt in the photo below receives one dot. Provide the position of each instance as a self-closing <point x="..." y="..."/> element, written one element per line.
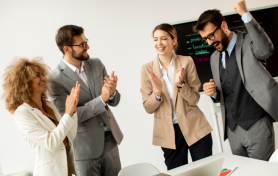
<point x="168" y="79"/>
<point x="84" y="78"/>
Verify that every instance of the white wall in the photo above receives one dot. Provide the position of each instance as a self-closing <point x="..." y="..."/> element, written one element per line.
<point x="119" y="33"/>
<point x="1" y="172"/>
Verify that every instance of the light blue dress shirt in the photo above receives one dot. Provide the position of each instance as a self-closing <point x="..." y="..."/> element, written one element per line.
<point x="246" y="18"/>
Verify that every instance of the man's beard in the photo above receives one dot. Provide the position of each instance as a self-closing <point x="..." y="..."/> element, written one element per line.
<point x="224" y="42"/>
<point x="80" y="56"/>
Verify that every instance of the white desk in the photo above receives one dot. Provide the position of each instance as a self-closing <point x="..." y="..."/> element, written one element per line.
<point x="246" y="166"/>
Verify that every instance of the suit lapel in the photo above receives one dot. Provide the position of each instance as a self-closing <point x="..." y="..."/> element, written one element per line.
<point x="44" y="120"/>
<point x="238" y="46"/>
<point x="157" y="72"/>
<point x="90" y="78"/>
<point x="72" y="76"/>
<point x="216" y="69"/>
<point x="57" y="114"/>
<point x="177" y="68"/>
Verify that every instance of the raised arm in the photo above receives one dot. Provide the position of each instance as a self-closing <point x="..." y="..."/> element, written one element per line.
<point x="261" y="44"/>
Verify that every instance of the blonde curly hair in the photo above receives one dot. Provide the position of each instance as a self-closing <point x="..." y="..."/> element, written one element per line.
<point x="18" y="77"/>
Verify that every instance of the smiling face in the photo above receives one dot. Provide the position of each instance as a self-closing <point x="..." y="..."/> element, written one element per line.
<point x="163" y="43"/>
<point x="39" y="82"/>
<point x="221" y="40"/>
<point x="78" y="52"/>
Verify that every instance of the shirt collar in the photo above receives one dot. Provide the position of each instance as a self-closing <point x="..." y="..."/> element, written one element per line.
<point x="231" y="44"/>
<point x="171" y="63"/>
<point x="72" y="67"/>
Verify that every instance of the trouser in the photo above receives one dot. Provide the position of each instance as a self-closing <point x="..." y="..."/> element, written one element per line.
<point x="108" y="164"/>
<point x="257" y="142"/>
<point x="179" y="156"/>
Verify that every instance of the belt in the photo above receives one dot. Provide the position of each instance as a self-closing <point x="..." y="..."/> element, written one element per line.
<point x="107" y="133"/>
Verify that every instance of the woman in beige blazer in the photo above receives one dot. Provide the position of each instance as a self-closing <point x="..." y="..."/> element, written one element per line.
<point x="170" y="89"/>
<point x="48" y="134"/>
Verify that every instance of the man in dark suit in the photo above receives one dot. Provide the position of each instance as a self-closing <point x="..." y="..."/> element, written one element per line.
<point x="98" y="134"/>
<point x="247" y="93"/>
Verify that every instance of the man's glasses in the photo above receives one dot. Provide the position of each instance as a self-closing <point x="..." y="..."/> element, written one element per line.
<point x="84" y="45"/>
<point x="210" y="36"/>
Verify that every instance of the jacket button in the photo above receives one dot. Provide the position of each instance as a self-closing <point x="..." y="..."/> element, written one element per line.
<point x="177" y="114"/>
<point x="100" y="123"/>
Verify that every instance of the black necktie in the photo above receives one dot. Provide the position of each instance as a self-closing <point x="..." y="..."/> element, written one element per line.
<point x="226" y="58"/>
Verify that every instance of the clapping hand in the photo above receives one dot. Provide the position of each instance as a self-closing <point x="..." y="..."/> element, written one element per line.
<point x="179" y="77"/>
<point x="111" y="83"/>
<point x="109" y="87"/>
<point x="156" y="83"/>
<point x="72" y="100"/>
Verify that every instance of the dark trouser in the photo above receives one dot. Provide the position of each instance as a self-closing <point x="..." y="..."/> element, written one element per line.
<point x="108" y="164"/>
<point x="179" y="157"/>
<point x="257" y="142"/>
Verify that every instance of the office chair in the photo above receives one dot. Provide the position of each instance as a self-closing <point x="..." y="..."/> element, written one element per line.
<point x="140" y="169"/>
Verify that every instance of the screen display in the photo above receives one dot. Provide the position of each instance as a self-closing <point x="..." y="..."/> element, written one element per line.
<point x="190" y="44"/>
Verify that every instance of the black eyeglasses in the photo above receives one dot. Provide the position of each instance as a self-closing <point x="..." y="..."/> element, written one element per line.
<point x="84" y="45"/>
<point x="210" y="36"/>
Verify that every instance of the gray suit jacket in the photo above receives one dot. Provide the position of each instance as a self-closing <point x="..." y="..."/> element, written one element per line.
<point x="91" y="112"/>
<point x="252" y="50"/>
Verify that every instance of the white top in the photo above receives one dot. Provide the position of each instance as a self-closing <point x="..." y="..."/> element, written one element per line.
<point x="168" y="79"/>
<point x="45" y="138"/>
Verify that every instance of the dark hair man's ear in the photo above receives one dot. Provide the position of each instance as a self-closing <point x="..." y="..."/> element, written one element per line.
<point x="66" y="49"/>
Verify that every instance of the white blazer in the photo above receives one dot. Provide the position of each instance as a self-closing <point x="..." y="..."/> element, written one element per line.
<point x="46" y="140"/>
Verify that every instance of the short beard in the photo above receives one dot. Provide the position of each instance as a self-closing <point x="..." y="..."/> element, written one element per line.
<point x="79" y="57"/>
<point x="224" y="41"/>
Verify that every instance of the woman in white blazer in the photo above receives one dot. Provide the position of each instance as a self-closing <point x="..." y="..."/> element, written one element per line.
<point x="48" y="134"/>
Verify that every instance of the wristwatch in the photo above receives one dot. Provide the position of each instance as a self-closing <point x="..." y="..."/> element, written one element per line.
<point x="179" y="87"/>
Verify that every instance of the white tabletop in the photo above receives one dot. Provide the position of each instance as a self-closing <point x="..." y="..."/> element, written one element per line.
<point x="246" y="166"/>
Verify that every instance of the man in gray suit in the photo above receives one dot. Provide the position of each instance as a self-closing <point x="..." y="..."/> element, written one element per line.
<point x="247" y="93"/>
<point x="98" y="134"/>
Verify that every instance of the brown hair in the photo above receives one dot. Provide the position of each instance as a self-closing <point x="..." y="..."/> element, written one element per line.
<point x="65" y="35"/>
<point x="213" y="16"/>
<point x="170" y="30"/>
<point x="17" y="80"/>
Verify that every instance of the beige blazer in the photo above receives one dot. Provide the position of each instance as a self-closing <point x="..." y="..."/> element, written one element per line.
<point x="191" y="119"/>
<point x="46" y="140"/>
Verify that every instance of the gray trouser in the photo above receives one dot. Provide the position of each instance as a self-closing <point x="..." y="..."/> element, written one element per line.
<point x="108" y="164"/>
<point x="257" y="142"/>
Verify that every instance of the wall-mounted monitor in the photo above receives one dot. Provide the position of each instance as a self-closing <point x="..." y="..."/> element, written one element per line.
<point x="189" y="44"/>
